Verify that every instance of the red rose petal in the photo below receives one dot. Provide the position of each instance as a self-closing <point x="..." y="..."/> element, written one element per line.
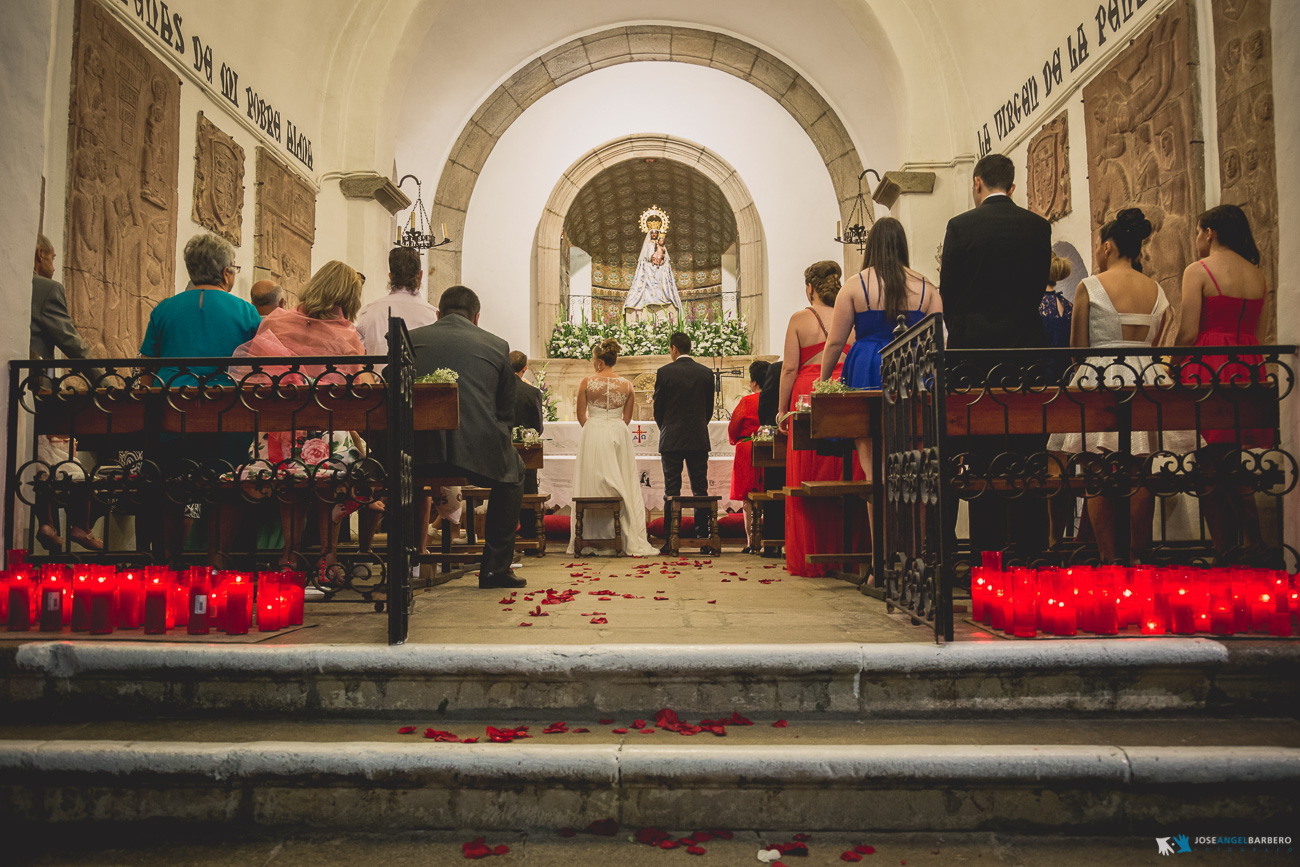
<point x="606" y="722"/>
<point x="599" y="620"/>
<point x="722" y="833"/>
<point x="865" y="850"/>
<point x="578" y="731"/>
<point x="696" y="850"/>
<point x="713" y="602"/>
<point x="850" y="856"/>
<point x="469" y="740"/>
<point x="647" y="731"/>
<point x="501" y="850"/>
<point x="651" y="836"/>
<point x="619" y="731"/>
<point x="638" y="723"/>
<point x="476" y="849"/>
<point x="661" y="598"/>
<point x="668" y="844"/>
<point x="406" y="730"/>
<point x="738" y="720"/>
<point x="525" y="624"/>
<point x="780" y="724"/>
<point x="603" y="827"/>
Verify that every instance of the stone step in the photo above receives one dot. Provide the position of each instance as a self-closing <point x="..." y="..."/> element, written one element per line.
<point x="86" y="680"/>
<point x="927" y="787"/>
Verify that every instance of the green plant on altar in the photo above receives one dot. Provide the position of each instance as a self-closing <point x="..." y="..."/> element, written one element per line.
<point x="709" y="337"/>
<point x="549" y="409"/>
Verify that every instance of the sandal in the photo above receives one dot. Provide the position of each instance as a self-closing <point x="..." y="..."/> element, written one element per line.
<point x="86" y="540"/>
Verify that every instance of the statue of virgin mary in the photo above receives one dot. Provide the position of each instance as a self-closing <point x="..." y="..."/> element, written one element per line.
<point x="653" y="294"/>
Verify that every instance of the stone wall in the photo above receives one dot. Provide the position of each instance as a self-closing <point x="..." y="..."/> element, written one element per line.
<point x="286" y="226"/>
<point x="123" y="161"/>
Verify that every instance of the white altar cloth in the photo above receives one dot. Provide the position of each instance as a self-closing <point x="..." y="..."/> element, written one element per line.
<point x="560" y="447"/>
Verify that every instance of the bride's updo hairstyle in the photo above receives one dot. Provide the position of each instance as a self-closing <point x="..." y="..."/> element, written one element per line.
<point x="1127" y="232"/>
<point x="607" y="351"/>
<point x="824" y="278"/>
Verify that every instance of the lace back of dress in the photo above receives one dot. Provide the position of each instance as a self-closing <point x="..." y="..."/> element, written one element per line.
<point x="608" y="393"/>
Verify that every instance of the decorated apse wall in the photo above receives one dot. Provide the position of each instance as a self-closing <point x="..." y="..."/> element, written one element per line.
<point x="604" y="221"/>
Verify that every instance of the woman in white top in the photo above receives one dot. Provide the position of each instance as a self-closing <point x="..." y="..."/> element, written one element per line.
<point x="606" y="463"/>
<point x="1117" y="307"/>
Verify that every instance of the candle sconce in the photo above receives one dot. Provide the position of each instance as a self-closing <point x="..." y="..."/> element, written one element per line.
<point x="418" y="237"/>
<point x="858" y="228"/>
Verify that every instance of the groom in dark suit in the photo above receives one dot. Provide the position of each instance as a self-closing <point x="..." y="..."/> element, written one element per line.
<point x="683" y="406"/>
<point x="996" y="260"/>
<point x="480" y="449"/>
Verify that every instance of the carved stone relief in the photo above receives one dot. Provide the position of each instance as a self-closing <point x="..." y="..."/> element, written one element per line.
<point x="1243" y="90"/>
<point x="285" y="225"/>
<point x="218" y="182"/>
<point x="123" y="158"/>
<point x="1049" y="170"/>
<point x="1143" y="126"/>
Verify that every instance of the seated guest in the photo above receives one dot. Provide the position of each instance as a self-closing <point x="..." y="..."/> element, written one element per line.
<point x="204" y="321"/>
<point x="1118" y="307"/>
<point x="266" y="296"/>
<point x="744" y="422"/>
<point x="321" y="324"/>
<point x="869" y="307"/>
<point x="811" y="527"/>
<point x="1223" y="297"/>
<point x="773" y="477"/>
<point x="52" y="328"/>
<point x="480" y="449"/>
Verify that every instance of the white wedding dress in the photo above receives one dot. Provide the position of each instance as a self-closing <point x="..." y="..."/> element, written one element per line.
<point x="606" y="467"/>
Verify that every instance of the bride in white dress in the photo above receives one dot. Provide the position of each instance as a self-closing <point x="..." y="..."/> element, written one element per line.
<point x="606" y="464"/>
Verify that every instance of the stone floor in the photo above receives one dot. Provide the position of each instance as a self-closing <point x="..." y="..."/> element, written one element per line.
<point x="727" y="599"/>
<point x="548" y="849"/>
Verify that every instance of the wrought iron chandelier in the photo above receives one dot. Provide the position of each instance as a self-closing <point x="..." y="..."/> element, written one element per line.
<point x="858" y="227"/>
<point x="418" y="237"/>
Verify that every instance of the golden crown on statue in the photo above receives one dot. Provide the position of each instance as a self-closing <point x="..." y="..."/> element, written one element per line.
<point x="654" y="214"/>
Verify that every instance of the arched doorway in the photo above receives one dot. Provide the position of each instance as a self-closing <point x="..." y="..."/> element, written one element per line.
<point x="548" y="264"/>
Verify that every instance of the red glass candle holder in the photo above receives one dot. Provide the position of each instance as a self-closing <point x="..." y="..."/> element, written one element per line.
<point x="295" y="587"/>
<point x="234" y="612"/>
<point x="20" y="600"/>
<point x="198" y="611"/>
<point x="130" y="599"/>
<point x="156" y="598"/>
<point x="101" y="601"/>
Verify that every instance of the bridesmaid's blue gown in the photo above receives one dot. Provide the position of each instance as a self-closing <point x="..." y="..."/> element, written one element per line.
<point x="873" y="330"/>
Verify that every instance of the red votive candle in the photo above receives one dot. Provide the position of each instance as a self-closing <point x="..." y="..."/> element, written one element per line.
<point x="1181" y="615"/>
<point x="20" y="600"/>
<point x="101" y="603"/>
<point x="991" y="560"/>
<point x="268" y="603"/>
<point x="155" y="605"/>
<point x="234" y="612"/>
<point x="199" y="611"/>
<point x="295" y="588"/>
<point x="81" y="599"/>
<point x="130" y="600"/>
<point x="1106" y="615"/>
<point x="52" y="591"/>
<point x="1024" y="605"/>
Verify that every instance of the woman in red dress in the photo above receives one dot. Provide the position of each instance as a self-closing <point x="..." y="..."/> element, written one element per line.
<point x="811" y="526"/>
<point x="1223" y="296"/>
<point x="744" y="422"/>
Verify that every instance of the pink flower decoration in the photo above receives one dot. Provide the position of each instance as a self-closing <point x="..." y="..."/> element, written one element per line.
<point x="314" y="451"/>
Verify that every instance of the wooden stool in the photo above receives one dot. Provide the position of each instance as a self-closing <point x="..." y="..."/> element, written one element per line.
<point x="673" y="509"/>
<point x="535" y="503"/>
<point x="472" y="497"/>
<point x="581" y="505"/>
<point x="757" y="526"/>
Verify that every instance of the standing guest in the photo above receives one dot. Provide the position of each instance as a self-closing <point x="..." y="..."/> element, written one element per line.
<point x="52" y="328"/>
<point x="1117" y="307"/>
<point x="885" y="289"/>
<point x="996" y="260"/>
<point x="773" y="477"/>
<point x="403" y="301"/>
<point x="204" y="321"/>
<point x="480" y="449"/>
<point x="1056" y="313"/>
<point x="683" y="405"/>
<point x="1223" y="297"/>
<point x="811" y="527"/>
<point x="744" y="422"/>
<point x="266" y="296"/>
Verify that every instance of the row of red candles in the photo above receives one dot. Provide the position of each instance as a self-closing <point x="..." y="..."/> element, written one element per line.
<point x="100" y="599"/>
<point x="1105" y="600"/>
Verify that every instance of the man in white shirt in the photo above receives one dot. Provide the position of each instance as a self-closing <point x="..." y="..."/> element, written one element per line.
<point x="403" y="301"/>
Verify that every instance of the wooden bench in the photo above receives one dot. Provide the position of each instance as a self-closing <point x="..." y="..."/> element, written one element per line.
<point x="536" y="504"/>
<point x="580" y="507"/>
<point x="674" y="507"/>
<point x="756" y="523"/>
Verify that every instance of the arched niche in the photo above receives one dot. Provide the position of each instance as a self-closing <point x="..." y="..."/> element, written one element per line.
<point x="612" y="47"/>
<point x="749" y="228"/>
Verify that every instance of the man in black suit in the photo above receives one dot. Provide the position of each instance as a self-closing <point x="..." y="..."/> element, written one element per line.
<point x="480" y="450"/>
<point x="996" y="260"/>
<point x="683" y="406"/>
<point x="528" y="414"/>
<point x="773" y="477"/>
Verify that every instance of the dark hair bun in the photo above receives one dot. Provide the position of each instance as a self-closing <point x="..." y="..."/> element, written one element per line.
<point x="1132" y="225"/>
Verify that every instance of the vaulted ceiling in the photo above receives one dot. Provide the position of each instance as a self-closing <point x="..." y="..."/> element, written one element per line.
<point x="605" y="216"/>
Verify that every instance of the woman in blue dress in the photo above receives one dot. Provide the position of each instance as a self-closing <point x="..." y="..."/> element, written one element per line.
<point x="1056" y="311"/>
<point x="870" y="304"/>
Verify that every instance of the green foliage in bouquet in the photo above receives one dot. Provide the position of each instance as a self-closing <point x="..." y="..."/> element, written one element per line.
<point x="549" y="409"/>
<point x="709" y="337"/>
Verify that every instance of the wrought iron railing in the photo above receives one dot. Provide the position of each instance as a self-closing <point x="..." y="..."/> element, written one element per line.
<point x="251" y="442"/>
<point x="1023" y="436"/>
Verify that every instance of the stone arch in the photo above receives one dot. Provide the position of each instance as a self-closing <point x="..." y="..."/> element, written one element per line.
<point x="749" y="227"/>
<point x="586" y="54"/>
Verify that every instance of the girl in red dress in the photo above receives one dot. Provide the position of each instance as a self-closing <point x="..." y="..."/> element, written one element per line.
<point x="1223" y="296"/>
<point x="744" y="422"/>
<point x="811" y="526"/>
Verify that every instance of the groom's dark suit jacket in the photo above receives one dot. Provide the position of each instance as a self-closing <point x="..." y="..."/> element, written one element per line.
<point x="487" y="399"/>
<point x="996" y="260"/>
<point x="683" y="405"/>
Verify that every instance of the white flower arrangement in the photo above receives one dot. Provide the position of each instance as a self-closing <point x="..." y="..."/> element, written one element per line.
<point x="765" y="434"/>
<point x="441" y="375"/>
<point x="831" y="386"/>
<point x="709" y="337"/>
<point x="526" y="435"/>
